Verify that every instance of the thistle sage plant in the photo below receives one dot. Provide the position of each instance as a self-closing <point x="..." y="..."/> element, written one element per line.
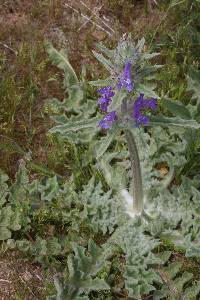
<point x="127" y="101"/>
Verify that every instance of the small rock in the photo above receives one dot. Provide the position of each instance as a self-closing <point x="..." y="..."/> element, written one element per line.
<point x="27" y="276"/>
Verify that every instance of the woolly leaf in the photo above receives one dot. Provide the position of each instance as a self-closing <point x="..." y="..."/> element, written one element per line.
<point x="192" y="291"/>
<point x="84" y="136"/>
<point x="173" y="286"/>
<point x="50" y="190"/>
<point x="147" y="90"/>
<point x="5" y="233"/>
<point x="61" y="290"/>
<point x="109" y="53"/>
<point x="164" y="256"/>
<point x="18" y="189"/>
<point x="9" y="220"/>
<point x="106" y="63"/>
<point x="94" y="284"/>
<point x="175" y="121"/>
<point x="115" y="176"/>
<point x="182" y="280"/>
<point x="177" y="108"/>
<point x="105" y="142"/>
<point x="82" y="271"/>
<point x="139" y="276"/>
<point x="3" y="187"/>
<point x="150" y="55"/>
<point x="74" y="87"/>
<point x="101" y="82"/>
<point x="172" y="269"/>
<point x="100" y="207"/>
<point x="180" y="207"/>
<point x="60" y="59"/>
<point x="193" y="80"/>
<point x="140" y="45"/>
<point x="23" y="245"/>
<point x="74" y="126"/>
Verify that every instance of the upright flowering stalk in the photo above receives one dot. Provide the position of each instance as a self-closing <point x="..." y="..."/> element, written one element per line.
<point x="138" y="205"/>
<point x="127" y="112"/>
<point x="139" y="119"/>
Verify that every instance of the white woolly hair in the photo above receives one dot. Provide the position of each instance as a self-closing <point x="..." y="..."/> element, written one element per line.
<point x="128" y="203"/>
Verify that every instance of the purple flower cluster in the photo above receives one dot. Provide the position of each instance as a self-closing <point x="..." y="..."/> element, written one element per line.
<point x="139" y="105"/>
<point x="107" y="94"/>
<point x="125" y="78"/>
<point x="105" y="100"/>
<point x="142" y="104"/>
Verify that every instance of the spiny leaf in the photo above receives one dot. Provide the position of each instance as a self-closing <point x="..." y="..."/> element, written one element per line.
<point x="140" y="45"/>
<point x="3" y="187"/>
<point x="176" y="108"/>
<point x="105" y="142"/>
<point x="174" y="284"/>
<point x="107" y="63"/>
<point x="146" y="89"/>
<point x="175" y="121"/>
<point x="101" y="82"/>
<point x="18" y="189"/>
<point x="150" y="55"/>
<point x="61" y="60"/>
<point x="192" y="291"/>
<point x="75" y="126"/>
<point x="105" y="50"/>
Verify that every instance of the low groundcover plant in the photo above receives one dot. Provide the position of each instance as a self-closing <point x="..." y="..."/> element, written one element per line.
<point x="131" y="113"/>
<point x="126" y="95"/>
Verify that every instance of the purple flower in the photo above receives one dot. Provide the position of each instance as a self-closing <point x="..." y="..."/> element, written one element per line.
<point x="106" y="91"/>
<point x="125" y="78"/>
<point x="108" y="120"/>
<point x="141" y="104"/>
<point x="104" y="101"/>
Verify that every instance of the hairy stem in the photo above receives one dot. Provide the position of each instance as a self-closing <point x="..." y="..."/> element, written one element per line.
<point x="136" y="171"/>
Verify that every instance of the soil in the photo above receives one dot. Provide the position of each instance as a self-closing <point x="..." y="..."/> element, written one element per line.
<point x="20" y="279"/>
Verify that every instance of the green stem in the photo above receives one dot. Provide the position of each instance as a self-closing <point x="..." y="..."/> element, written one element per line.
<point x="136" y="171"/>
